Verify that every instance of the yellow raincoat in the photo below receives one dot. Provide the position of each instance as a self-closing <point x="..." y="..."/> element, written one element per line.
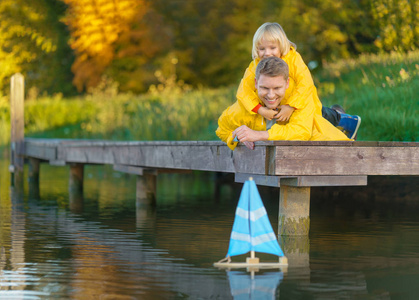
<point x="306" y="122"/>
<point x="301" y="84"/>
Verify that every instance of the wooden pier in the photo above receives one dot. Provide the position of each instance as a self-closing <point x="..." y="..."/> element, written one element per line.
<point x="293" y="166"/>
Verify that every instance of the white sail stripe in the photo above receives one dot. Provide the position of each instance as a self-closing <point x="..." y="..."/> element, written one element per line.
<point x="254" y="215"/>
<point x="242" y="213"/>
<point x="244" y="237"/>
<point x="263" y="238"/>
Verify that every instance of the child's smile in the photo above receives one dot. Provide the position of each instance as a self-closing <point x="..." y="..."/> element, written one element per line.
<point x="267" y="49"/>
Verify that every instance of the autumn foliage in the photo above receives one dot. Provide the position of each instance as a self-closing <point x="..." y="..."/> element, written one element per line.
<point x="95" y="27"/>
<point x="72" y="45"/>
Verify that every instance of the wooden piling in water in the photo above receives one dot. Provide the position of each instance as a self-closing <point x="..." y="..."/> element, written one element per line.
<point x="17" y="94"/>
<point x="146" y="189"/>
<point x="294" y="210"/>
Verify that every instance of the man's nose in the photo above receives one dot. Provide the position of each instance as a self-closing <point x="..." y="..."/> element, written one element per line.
<point x="271" y="94"/>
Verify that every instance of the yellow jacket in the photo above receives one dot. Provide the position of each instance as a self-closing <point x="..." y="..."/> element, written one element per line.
<point x="301" y="84"/>
<point x="305" y="124"/>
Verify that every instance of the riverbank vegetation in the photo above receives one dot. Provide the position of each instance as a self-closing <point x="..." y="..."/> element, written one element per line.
<point x="67" y="46"/>
<point x="382" y="89"/>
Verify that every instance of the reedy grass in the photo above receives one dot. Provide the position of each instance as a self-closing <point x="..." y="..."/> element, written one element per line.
<point x="166" y="116"/>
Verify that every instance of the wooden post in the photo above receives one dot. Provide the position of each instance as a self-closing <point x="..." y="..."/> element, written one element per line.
<point x="294" y="210"/>
<point x="146" y="189"/>
<point x="297" y="251"/>
<point x="33" y="177"/>
<point x="17" y="94"/>
<point x="75" y="186"/>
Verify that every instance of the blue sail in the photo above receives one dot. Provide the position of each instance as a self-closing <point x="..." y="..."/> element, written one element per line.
<point x="252" y="230"/>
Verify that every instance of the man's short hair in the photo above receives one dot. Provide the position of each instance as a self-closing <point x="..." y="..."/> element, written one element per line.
<point x="272" y="66"/>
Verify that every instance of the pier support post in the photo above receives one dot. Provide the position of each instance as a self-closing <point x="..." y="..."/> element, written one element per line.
<point x="297" y="250"/>
<point x="17" y="94"/>
<point x="146" y="189"/>
<point x="33" y="177"/>
<point x="294" y="210"/>
<point x="75" y="186"/>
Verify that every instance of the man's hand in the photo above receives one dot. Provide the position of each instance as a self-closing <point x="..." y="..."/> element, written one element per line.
<point x="245" y="134"/>
<point x="285" y="113"/>
<point x="249" y="145"/>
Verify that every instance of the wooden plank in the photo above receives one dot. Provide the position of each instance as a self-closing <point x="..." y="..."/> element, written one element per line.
<point x="190" y="157"/>
<point x="291" y="158"/>
<point x="339" y="143"/>
<point x="134" y="170"/>
<point x="259" y="179"/>
<point x="303" y="181"/>
<point x="324" y="160"/>
<point x="45" y="152"/>
<point x="58" y="163"/>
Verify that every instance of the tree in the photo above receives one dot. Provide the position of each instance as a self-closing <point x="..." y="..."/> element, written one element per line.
<point x="95" y="27"/>
<point x="140" y="51"/>
<point x="398" y="24"/>
<point x="28" y="41"/>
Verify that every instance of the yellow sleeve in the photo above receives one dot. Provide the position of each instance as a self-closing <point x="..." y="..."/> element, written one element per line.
<point x="299" y="127"/>
<point x="226" y="125"/>
<point x="304" y="85"/>
<point x="246" y="94"/>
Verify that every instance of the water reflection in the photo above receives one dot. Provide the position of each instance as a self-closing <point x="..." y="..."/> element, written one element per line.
<point x="105" y="246"/>
<point x="247" y="285"/>
<point x="12" y="245"/>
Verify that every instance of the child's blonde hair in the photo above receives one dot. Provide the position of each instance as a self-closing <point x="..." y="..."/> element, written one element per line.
<point x="271" y="32"/>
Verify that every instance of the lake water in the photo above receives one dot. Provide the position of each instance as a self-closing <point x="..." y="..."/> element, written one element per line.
<point x="363" y="243"/>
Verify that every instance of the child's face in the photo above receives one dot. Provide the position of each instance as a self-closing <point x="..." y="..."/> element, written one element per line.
<point x="271" y="90"/>
<point x="267" y="49"/>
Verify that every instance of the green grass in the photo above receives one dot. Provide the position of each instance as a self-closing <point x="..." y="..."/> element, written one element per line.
<point x="382" y="89"/>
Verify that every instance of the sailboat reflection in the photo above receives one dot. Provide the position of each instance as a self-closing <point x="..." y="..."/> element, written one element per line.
<point x="245" y="285"/>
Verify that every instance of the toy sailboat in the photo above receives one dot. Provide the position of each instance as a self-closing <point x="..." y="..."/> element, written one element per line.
<point x="252" y="232"/>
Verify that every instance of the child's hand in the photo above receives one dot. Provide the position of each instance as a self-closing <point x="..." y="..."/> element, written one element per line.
<point x="285" y="113"/>
<point x="267" y="113"/>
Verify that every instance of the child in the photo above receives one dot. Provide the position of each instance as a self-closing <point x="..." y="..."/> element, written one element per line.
<point x="271" y="40"/>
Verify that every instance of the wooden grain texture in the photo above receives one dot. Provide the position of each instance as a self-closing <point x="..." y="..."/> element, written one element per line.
<point x="333" y="160"/>
<point x="302" y="181"/>
<point x="268" y="158"/>
<point x="17" y="98"/>
<point x="192" y="156"/>
<point x="45" y="152"/>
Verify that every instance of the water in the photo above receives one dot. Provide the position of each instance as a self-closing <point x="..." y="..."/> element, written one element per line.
<point x="363" y="244"/>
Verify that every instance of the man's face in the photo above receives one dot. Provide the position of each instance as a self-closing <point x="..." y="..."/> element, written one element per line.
<point x="271" y="90"/>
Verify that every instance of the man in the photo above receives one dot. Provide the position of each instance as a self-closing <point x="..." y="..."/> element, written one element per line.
<point x="236" y="124"/>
